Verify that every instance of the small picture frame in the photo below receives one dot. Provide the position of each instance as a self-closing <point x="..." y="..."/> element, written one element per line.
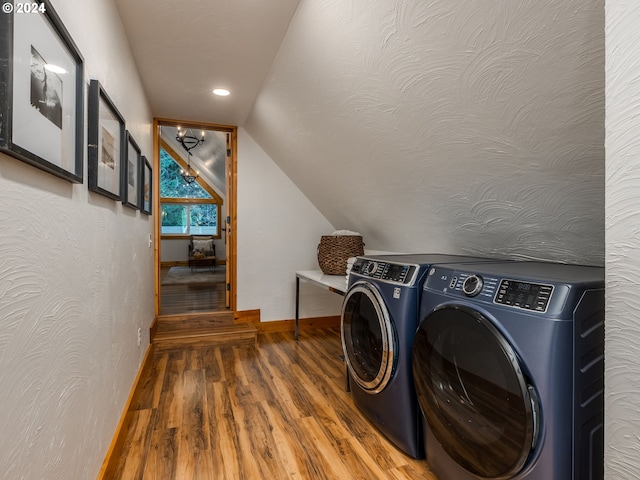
<point x="146" y="192"/>
<point x="131" y="174"/>
<point x="106" y="143"/>
<point x="41" y="91"/>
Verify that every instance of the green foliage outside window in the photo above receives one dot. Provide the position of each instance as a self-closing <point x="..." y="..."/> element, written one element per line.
<point x="174" y="218"/>
<point x="172" y="185"/>
<point x="190" y="219"/>
<point x="184" y="218"/>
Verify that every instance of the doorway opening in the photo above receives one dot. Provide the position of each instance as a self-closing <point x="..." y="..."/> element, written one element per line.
<point x="195" y="212"/>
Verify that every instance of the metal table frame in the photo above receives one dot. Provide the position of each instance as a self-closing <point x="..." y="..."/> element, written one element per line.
<point x="333" y="283"/>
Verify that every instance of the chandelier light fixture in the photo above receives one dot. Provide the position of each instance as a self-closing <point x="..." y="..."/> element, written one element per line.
<point x="189" y="141"/>
<point x="189" y="175"/>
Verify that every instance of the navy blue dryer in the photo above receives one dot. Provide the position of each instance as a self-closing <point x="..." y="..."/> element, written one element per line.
<point x="379" y="321"/>
<point x="508" y="363"/>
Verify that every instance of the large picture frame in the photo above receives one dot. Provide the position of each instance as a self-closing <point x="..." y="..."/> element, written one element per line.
<point x="106" y="137"/>
<point x="146" y="192"/>
<point x="131" y="174"/>
<point x="41" y="90"/>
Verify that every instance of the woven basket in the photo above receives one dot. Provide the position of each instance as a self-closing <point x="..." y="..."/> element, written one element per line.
<point x="335" y="250"/>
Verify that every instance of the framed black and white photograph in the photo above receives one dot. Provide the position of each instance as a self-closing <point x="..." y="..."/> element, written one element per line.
<point x="107" y="147"/>
<point x="41" y="91"/>
<point x="131" y="174"/>
<point x="147" y="186"/>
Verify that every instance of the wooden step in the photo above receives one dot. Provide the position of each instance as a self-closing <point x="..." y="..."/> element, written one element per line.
<point x="239" y="334"/>
<point x="193" y="322"/>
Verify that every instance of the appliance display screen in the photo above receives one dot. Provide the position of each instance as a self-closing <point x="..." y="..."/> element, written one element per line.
<point x="395" y="271"/>
<point x="530" y="296"/>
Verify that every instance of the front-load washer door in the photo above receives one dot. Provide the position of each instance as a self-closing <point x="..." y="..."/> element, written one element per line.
<point x="368" y="338"/>
<point x="473" y="392"/>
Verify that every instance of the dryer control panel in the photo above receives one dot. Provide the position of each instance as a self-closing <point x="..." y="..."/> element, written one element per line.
<point x="535" y="288"/>
<point x="492" y="289"/>
<point x="530" y="296"/>
<point x="388" y="271"/>
<point x="469" y="284"/>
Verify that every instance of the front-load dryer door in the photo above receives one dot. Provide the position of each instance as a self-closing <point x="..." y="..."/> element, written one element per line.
<point x="473" y="392"/>
<point x="368" y="338"/>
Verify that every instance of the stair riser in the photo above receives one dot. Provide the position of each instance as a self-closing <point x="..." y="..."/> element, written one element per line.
<point x="192" y="322"/>
<point x="178" y="327"/>
<point x="204" y="341"/>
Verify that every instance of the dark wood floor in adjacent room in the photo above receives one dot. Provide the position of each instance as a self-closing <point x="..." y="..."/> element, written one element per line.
<point x="192" y="298"/>
<point x="275" y="411"/>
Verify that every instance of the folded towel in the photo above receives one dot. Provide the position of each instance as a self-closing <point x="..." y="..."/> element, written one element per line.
<point x="346" y="232"/>
<point x="350" y="262"/>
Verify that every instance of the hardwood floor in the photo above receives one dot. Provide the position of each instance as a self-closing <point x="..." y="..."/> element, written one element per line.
<point x="192" y="298"/>
<point x="277" y="411"/>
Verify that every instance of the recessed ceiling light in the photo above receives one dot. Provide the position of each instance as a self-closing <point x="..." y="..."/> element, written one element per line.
<point x="222" y="92"/>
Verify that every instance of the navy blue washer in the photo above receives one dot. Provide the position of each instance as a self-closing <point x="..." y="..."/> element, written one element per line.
<point x="379" y="320"/>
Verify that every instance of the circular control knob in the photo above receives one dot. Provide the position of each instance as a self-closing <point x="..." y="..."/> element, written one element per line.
<point x="472" y="285"/>
<point x="371" y="268"/>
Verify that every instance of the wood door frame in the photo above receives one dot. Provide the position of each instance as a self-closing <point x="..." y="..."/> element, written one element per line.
<point x="231" y="210"/>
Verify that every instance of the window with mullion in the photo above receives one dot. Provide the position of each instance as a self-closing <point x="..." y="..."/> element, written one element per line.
<point x="189" y="218"/>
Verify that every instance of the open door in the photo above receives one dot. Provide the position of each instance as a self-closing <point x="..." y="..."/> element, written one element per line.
<point x="169" y="211"/>
<point x="230" y="220"/>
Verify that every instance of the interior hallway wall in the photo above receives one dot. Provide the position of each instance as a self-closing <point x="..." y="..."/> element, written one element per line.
<point x="76" y="283"/>
<point x="277" y="233"/>
<point x="622" y="352"/>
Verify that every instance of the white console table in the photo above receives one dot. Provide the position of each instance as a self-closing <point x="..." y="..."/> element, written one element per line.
<point x="333" y="283"/>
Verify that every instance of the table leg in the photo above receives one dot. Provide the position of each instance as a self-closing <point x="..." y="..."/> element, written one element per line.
<point x="297" y="308"/>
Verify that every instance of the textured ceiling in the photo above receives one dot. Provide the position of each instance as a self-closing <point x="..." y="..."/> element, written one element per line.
<point x="445" y="125"/>
<point x="184" y="49"/>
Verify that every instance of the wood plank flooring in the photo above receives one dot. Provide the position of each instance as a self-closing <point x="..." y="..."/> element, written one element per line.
<point x="276" y="411"/>
<point x="192" y="298"/>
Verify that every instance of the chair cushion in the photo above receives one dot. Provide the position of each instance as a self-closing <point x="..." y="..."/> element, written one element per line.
<point x="204" y="246"/>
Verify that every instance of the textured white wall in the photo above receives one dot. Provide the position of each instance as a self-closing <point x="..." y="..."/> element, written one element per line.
<point x="445" y="125"/>
<point x="622" y="374"/>
<point x="76" y="282"/>
<point x="277" y="233"/>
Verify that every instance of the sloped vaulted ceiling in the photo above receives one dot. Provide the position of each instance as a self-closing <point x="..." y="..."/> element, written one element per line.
<point x="186" y="48"/>
<point x="451" y="126"/>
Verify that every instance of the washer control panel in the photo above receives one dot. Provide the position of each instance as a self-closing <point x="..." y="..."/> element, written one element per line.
<point x="388" y="271"/>
<point x="530" y="296"/>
